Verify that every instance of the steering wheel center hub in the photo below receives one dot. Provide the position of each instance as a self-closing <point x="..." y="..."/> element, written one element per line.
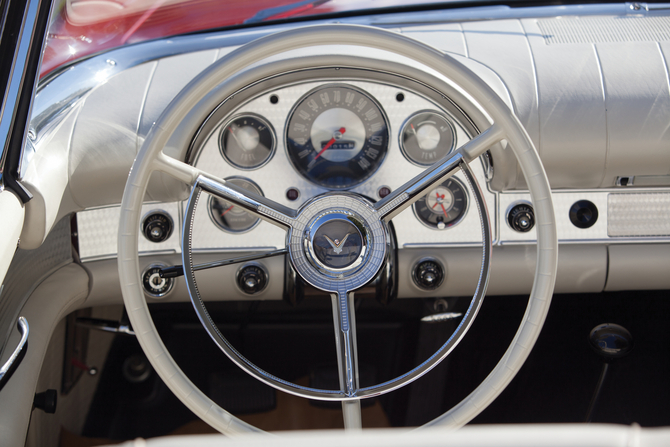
<point x="336" y="242"/>
<point x="339" y="242"/>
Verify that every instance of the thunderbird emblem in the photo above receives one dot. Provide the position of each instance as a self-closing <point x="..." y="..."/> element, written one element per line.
<point x="337" y="245"/>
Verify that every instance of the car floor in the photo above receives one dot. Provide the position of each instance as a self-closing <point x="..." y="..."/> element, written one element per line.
<point x="555" y="385"/>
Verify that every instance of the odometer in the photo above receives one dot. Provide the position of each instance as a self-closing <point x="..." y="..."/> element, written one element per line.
<point x="337" y="136"/>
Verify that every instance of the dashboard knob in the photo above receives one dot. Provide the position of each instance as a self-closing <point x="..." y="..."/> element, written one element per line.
<point x="252" y="279"/>
<point x="521" y="218"/>
<point x="583" y="214"/>
<point x="428" y="274"/>
<point x="157" y="226"/>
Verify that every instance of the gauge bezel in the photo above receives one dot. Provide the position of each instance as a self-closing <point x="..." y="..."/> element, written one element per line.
<point x="370" y="97"/>
<point x="455" y="222"/>
<point x="212" y="197"/>
<point x="257" y="117"/>
<point x="449" y="120"/>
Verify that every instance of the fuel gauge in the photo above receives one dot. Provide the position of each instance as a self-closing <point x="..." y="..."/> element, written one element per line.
<point x="247" y="141"/>
<point x="444" y="206"/>
<point x="426" y="137"/>
<point x="230" y="217"/>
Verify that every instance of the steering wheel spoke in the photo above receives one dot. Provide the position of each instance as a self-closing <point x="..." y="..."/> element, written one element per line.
<point x="413" y="190"/>
<point x="344" y="321"/>
<point x="260" y="206"/>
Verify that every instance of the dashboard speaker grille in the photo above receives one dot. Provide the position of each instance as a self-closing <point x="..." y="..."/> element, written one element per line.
<point x="644" y="214"/>
<point x="605" y="29"/>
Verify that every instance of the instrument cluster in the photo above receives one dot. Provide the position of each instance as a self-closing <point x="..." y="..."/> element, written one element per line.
<point x="302" y="140"/>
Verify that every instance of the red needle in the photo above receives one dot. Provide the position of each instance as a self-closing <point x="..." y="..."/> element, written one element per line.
<point x="328" y="144"/>
<point x="444" y="211"/>
<point x="231" y="207"/>
<point x="438" y="199"/>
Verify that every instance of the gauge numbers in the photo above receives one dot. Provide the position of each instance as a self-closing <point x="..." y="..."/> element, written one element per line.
<point x="444" y="206"/>
<point x="230" y="217"/>
<point x="247" y="141"/>
<point x="426" y="137"/>
<point x="337" y="136"/>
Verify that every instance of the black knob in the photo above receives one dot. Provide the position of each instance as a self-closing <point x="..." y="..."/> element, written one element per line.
<point x="521" y="217"/>
<point x="46" y="401"/>
<point x="252" y="279"/>
<point x="611" y="341"/>
<point x="157" y="227"/>
<point x="428" y="274"/>
<point x="583" y="214"/>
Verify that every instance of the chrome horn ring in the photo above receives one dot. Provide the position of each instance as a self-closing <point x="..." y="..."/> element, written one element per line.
<point x="367" y="222"/>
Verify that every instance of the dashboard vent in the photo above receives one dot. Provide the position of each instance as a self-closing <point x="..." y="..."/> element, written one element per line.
<point x="643" y="214"/>
<point x="605" y="29"/>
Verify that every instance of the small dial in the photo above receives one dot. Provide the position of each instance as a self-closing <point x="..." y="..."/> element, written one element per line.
<point x="337" y="136"/>
<point x="444" y="206"/>
<point x="230" y="217"/>
<point x="247" y="141"/>
<point x="426" y="137"/>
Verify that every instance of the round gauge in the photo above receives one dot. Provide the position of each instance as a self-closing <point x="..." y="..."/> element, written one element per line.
<point x="247" y="141"/>
<point x="337" y="136"/>
<point x="426" y="137"/>
<point x="444" y="206"/>
<point x="230" y="217"/>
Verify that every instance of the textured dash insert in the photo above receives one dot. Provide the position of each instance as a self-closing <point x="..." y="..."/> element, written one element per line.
<point x="605" y="29"/>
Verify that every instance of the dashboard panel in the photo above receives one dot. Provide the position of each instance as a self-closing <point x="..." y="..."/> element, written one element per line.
<point x="536" y="75"/>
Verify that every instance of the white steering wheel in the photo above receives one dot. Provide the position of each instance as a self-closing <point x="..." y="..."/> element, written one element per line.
<point x="225" y="78"/>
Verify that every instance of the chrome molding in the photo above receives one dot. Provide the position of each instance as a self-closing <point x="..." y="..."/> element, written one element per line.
<point x="18" y="76"/>
<point x="11" y="362"/>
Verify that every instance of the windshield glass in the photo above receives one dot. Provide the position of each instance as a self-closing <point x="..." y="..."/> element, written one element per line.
<point x="80" y="28"/>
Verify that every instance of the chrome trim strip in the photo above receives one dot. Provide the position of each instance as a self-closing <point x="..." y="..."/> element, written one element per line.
<point x="15" y="87"/>
<point x="24" y="329"/>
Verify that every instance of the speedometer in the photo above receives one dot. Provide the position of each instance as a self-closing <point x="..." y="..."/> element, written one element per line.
<point x="337" y="136"/>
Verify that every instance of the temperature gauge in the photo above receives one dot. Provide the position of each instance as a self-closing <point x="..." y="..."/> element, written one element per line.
<point x="426" y="137"/>
<point x="444" y="206"/>
<point x="247" y="141"/>
<point x="230" y="217"/>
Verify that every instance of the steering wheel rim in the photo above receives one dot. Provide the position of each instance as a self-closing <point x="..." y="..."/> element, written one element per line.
<point x="505" y="125"/>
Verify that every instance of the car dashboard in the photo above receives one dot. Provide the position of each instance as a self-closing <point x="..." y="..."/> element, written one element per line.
<point x="589" y="84"/>
<point x="600" y="134"/>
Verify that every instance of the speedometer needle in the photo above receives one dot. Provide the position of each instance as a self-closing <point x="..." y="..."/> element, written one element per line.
<point x="328" y="144"/>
